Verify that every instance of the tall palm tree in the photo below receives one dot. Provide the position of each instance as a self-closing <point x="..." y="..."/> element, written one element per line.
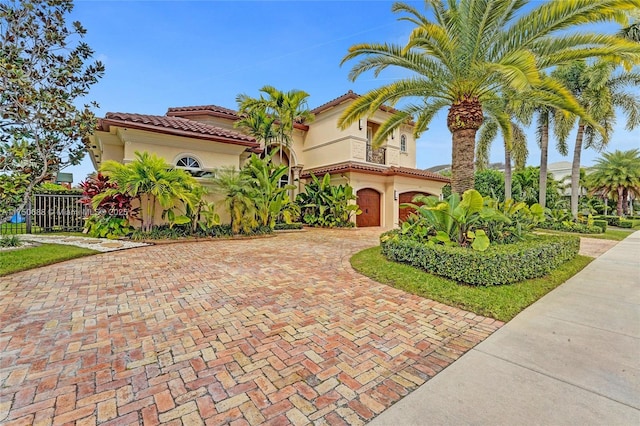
<point x="632" y="32"/>
<point x="469" y="53"/>
<point x="600" y="90"/>
<point x="617" y="173"/>
<point x="286" y="108"/>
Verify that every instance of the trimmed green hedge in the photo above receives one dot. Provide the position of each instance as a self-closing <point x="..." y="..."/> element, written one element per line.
<point x="601" y="223"/>
<point x="579" y="228"/>
<point x="499" y="264"/>
<point x="625" y="223"/>
<point x="611" y="220"/>
<point x="287" y="226"/>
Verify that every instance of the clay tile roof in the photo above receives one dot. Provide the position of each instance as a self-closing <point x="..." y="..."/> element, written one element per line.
<point x="215" y="111"/>
<point x="375" y="169"/>
<point x="176" y="126"/>
<point x="337" y="101"/>
<point x="346" y="97"/>
<point x="407" y="171"/>
<point x="203" y="110"/>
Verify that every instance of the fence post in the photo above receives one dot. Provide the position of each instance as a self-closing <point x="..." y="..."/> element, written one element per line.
<point x="28" y="216"/>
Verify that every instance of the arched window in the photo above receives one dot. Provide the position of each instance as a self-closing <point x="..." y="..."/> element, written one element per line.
<point x="403" y="143"/>
<point x="188" y="163"/>
<point x="192" y="166"/>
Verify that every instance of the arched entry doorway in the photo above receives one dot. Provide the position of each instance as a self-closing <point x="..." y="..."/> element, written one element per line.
<point x="369" y="202"/>
<point x="407" y="197"/>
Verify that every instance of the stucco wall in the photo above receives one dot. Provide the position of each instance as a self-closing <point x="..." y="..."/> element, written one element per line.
<point x="210" y="154"/>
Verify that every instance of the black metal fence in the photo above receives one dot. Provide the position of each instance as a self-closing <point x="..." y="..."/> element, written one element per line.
<point x="48" y="213"/>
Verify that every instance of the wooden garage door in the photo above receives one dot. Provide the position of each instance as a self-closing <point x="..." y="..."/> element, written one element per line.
<point x="407" y="197"/>
<point x="369" y="202"/>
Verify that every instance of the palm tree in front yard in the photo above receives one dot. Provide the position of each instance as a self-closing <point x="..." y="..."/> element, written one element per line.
<point x="471" y="52"/>
<point x="617" y="173"/>
<point x="600" y="89"/>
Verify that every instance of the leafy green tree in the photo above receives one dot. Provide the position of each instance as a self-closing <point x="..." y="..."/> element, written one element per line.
<point x="618" y="174"/>
<point x="490" y="183"/>
<point x="44" y="70"/>
<point x="472" y="51"/>
<point x="150" y="180"/>
<point x="600" y="89"/>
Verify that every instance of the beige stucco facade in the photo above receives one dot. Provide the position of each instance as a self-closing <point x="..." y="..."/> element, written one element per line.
<point x="206" y="135"/>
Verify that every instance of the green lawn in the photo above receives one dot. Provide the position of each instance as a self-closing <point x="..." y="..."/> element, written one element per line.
<point x="32" y="257"/>
<point x="499" y="302"/>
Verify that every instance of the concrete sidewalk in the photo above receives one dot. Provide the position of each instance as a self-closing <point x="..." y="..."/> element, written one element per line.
<point x="573" y="357"/>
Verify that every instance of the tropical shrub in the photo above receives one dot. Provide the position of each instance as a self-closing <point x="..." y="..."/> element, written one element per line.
<point x="148" y="180"/>
<point x="10" y="241"/>
<point x="118" y="204"/>
<point x="499" y="264"/>
<point x="325" y="205"/>
<point x="270" y="198"/>
<point x="562" y="220"/>
<point x="111" y="227"/>
<point x="454" y="221"/>
<point x="253" y="195"/>
<point x="571" y="226"/>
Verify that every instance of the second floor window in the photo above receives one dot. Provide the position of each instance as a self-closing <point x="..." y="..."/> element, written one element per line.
<point x="403" y="143"/>
<point x="188" y="163"/>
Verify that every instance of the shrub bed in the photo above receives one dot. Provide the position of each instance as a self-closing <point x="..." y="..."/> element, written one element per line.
<point x="287" y="226"/>
<point x="499" y="264"/>
<point x="600" y="223"/>
<point x="611" y="220"/>
<point x="580" y="228"/>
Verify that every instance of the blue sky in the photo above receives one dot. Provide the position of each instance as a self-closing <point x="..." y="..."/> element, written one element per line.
<point x="161" y="54"/>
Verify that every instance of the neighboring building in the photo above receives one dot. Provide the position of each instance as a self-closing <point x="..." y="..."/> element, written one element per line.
<point x="201" y="139"/>
<point x="64" y="179"/>
<point x="561" y="171"/>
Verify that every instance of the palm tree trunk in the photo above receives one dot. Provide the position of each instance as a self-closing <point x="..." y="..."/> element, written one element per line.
<point x="620" y="201"/>
<point x="462" y="161"/>
<point x="507" y="174"/>
<point x="544" y="152"/>
<point x="463" y="120"/>
<point x="625" y="201"/>
<point x="575" y="171"/>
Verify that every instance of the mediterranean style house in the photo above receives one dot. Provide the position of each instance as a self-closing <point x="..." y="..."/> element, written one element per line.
<point x="201" y="139"/>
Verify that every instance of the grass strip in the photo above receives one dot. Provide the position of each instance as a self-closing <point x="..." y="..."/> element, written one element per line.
<point x="500" y="302"/>
<point x="23" y="259"/>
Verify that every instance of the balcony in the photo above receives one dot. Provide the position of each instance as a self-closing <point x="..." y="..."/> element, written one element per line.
<point x="376" y="156"/>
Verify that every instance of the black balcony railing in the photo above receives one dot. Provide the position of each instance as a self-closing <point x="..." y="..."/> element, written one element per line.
<point x="376" y="155"/>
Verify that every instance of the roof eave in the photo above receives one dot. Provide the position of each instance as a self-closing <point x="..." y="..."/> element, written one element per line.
<point x="106" y="123"/>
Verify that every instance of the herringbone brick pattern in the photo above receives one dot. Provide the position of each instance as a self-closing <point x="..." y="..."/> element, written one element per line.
<point x="267" y="331"/>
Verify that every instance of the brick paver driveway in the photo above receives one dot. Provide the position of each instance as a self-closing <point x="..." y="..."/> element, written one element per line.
<point x="275" y="330"/>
